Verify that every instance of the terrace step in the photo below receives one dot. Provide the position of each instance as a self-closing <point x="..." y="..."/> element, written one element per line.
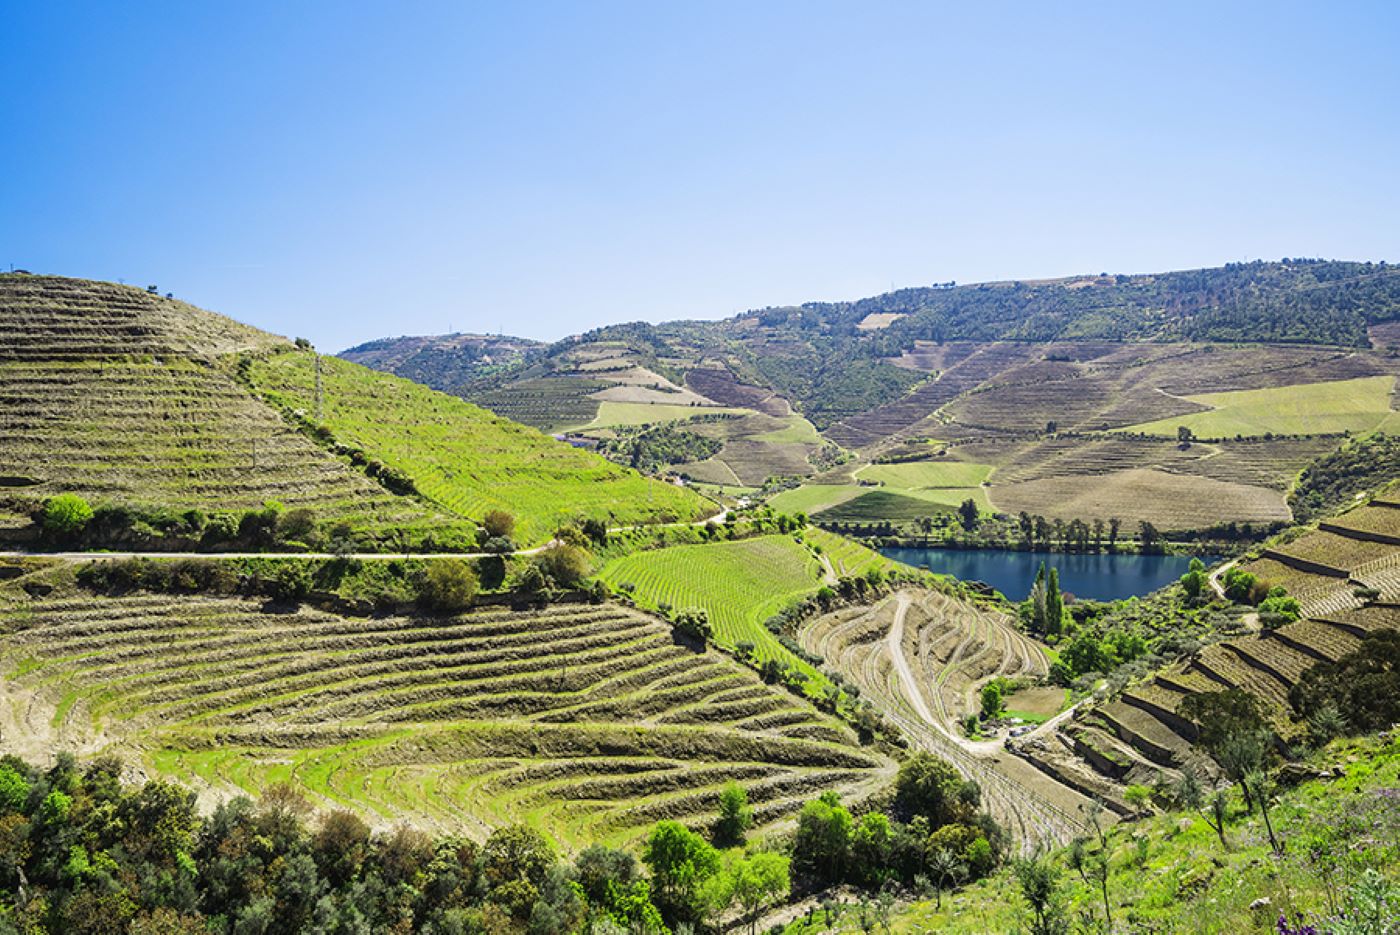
<point x="1144" y="732"/>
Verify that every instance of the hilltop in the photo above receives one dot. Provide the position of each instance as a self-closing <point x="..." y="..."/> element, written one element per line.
<point x="1063" y="398"/>
<point x="445" y="362"/>
<point x="171" y="417"/>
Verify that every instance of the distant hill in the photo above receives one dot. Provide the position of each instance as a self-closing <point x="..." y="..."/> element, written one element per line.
<point x="145" y="403"/>
<point x="994" y="370"/>
<point x="445" y="362"/>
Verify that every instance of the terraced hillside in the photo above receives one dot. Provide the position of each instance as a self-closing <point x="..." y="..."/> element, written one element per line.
<point x="920" y="656"/>
<point x="1010" y="375"/>
<point x="462" y="457"/>
<point x="134" y="400"/>
<point x="1140" y="734"/>
<point x="588" y="721"/>
<point x="740" y="584"/>
<point x="118" y="395"/>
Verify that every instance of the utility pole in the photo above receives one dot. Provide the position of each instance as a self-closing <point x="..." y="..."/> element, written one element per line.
<point x="318" y="388"/>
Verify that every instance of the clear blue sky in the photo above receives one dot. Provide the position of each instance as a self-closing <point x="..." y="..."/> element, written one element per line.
<point x="346" y="171"/>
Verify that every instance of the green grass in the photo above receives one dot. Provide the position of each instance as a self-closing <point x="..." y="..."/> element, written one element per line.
<point x="879" y="506"/>
<point x="613" y="413"/>
<point x="740" y="584"/>
<point x="921" y="475"/>
<point x="587" y="721"/>
<point x="1359" y="405"/>
<point x="813" y="498"/>
<point x="1186" y="882"/>
<point x="464" y="457"/>
<point x="797" y="431"/>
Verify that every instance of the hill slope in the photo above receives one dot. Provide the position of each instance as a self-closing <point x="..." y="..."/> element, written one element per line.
<point x="134" y="400"/>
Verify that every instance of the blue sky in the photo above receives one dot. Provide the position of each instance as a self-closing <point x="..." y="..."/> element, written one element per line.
<point x="345" y="171"/>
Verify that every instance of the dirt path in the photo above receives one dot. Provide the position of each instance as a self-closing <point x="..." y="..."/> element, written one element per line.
<point x="1034" y="808"/>
<point x="719" y="517"/>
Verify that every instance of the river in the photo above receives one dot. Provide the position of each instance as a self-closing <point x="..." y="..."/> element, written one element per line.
<point x="1102" y="577"/>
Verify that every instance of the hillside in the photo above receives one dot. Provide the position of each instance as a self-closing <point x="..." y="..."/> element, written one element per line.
<point x="143" y="403"/>
<point x="587" y="721"/>
<point x="444" y="362"/>
<point x="1061" y="398"/>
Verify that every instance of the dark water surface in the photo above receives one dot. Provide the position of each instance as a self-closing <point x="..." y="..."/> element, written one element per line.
<point x="1099" y="577"/>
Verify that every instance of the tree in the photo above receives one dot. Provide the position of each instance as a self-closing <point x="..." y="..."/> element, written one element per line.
<point x="991" y="699"/>
<point x="967" y="514"/>
<point x="823" y="840"/>
<point x="448" y="585"/>
<point x="65" y="515"/>
<point x="756" y="880"/>
<point x="1261" y="786"/>
<point x="1148" y="535"/>
<point x="928" y="785"/>
<point x="1185" y="436"/>
<point x="681" y="862"/>
<point x="946" y="868"/>
<point x="1039" y="881"/>
<point x="565" y="565"/>
<point x="1216" y="811"/>
<point x="498" y="524"/>
<point x="1278" y="609"/>
<point x="516" y="852"/>
<point x="1096" y="870"/>
<point x="1054" y="604"/>
<point x="1194" y="581"/>
<point x="735" y="816"/>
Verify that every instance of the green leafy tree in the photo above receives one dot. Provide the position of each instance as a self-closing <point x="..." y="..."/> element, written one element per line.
<point x="822" y="844"/>
<point x="681" y="863"/>
<point x="1039" y="881"/>
<point x="566" y="565"/>
<point x="448" y="585"/>
<point x="992" y="699"/>
<point x="735" y="815"/>
<point x="756" y="881"/>
<point x="968" y="515"/>
<point x="498" y="524"/>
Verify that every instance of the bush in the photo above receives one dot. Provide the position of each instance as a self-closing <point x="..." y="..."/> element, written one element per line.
<point x="695" y="622"/>
<point x="291" y="581"/>
<point x="65" y="515"/>
<point x="498" y="524"/>
<point x="448" y="585"/>
<point x="565" y="565"/>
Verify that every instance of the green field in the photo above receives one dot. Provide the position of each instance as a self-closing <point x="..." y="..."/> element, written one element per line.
<point x="740" y="584"/>
<point x="813" y="498"/>
<point x="465" y="458"/>
<point x="614" y="413"/>
<point x="881" y="506"/>
<point x="926" y="475"/>
<point x="1306" y="409"/>
<point x="797" y="431"/>
<point x="587" y="722"/>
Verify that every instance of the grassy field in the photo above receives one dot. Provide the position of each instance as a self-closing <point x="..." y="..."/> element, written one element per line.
<point x="588" y="722"/>
<point x="1306" y="409"/>
<point x="465" y="458"/>
<point x="813" y="498"/>
<point x="740" y="584"/>
<point x="1181" y="879"/>
<point x="623" y="413"/>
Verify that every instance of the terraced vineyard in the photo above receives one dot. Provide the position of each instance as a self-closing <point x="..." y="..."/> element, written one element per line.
<point x="465" y="458"/>
<point x="919" y="657"/>
<point x="740" y="584"/>
<point x="589" y="722"/>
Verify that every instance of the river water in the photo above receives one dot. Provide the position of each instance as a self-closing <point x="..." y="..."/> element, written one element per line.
<point x="1097" y="577"/>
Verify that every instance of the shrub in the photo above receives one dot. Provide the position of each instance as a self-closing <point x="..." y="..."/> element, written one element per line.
<point x="498" y="524"/>
<point x="448" y="585"/>
<point x="695" y="622"/>
<point x="291" y="581"/>
<point x="65" y="515"/>
<point x="565" y="565"/>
